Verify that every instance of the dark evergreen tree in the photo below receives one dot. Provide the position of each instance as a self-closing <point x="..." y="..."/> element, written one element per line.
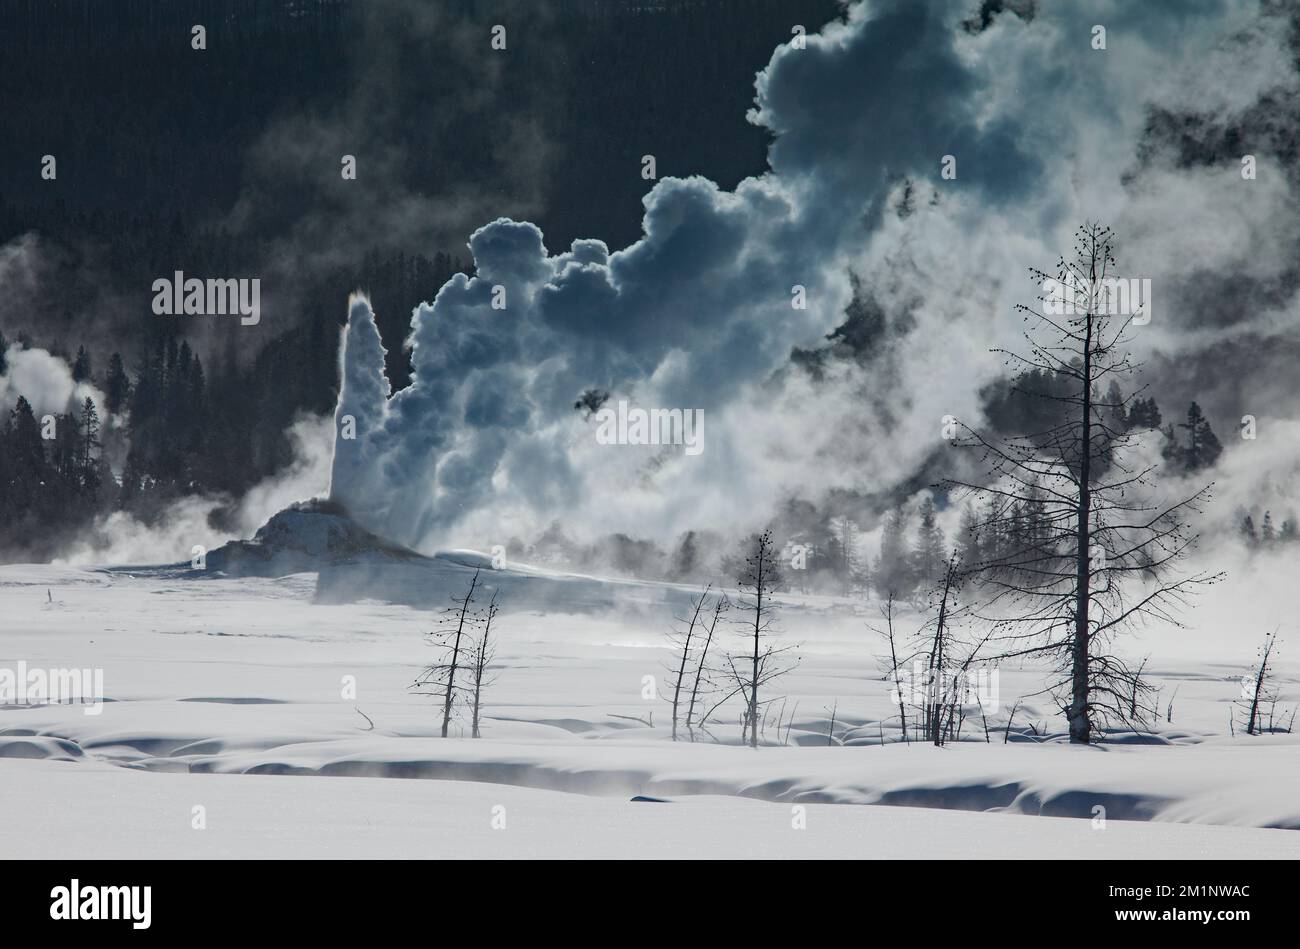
<point x="893" y="574"/>
<point x="26" y="445"/>
<point x="686" y="558"/>
<point x="132" y="486"/>
<point x="969" y="549"/>
<point x="1170" y="450"/>
<point x="1202" y="449"/>
<point x="1114" y="408"/>
<point x="88" y="447"/>
<point x="1144" y="414"/>
<point x="81" y="365"/>
<point x="66" y="448"/>
<point x="118" y="385"/>
<point x="928" y="555"/>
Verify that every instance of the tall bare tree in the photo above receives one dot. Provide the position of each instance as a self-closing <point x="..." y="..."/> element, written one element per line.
<point x="894" y="663"/>
<point x="1095" y="552"/>
<point x="762" y="661"/>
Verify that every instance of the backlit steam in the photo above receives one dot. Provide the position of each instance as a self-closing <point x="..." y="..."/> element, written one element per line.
<point x="702" y="313"/>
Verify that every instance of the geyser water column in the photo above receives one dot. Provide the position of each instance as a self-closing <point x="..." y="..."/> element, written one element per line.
<point x="359" y="416"/>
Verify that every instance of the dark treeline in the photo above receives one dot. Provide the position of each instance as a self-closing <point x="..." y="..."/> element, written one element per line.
<point x="53" y="474"/>
<point x="1269" y="534"/>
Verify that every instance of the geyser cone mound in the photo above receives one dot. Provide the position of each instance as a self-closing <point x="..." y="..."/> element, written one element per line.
<point x="352" y="563"/>
<point x="306" y="536"/>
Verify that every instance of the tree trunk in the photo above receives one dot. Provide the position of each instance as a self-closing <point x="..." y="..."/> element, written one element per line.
<point x="758" y="625"/>
<point x="686" y="651"/>
<point x="893" y="658"/>
<point x="1077" y="713"/>
<point x="1252" y="725"/>
<point x="455" y="655"/>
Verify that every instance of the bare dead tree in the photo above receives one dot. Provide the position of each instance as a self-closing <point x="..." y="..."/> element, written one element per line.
<point x="887" y="613"/>
<point x="789" y="722"/>
<point x="483" y="653"/>
<point x="762" y="662"/>
<point x="682" y="639"/>
<point x="936" y="687"/>
<point x="1006" y="732"/>
<point x="1261" y="690"/>
<point x="1095" y="557"/>
<point x="948" y="659"/>
<point x="720" y="606"/>
<point x="451" y="639"/>
<point x="1133" y="693"/>
<point x="936" y="695"/>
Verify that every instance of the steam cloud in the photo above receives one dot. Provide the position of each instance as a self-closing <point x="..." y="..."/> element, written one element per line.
<point x="485" y="444"/>
<point x="45" y="381"/>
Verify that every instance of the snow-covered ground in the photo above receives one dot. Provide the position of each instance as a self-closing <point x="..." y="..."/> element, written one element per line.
<point x="214" y="685"/>
<point x="95" y="811"/>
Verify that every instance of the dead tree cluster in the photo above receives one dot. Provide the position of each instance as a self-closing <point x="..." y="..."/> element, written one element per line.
<point x="464" y="653"/>
<point x="704" y="678"/>
<point x="932" y="679"/>
<point x="690" y="677"/>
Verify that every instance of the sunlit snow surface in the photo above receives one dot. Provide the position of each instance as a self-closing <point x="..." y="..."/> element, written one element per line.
<point x="217" y="688"/>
